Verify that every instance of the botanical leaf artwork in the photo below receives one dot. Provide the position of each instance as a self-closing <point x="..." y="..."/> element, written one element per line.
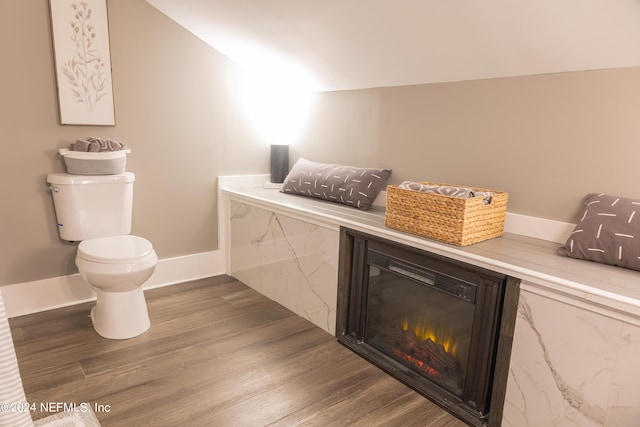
<point x="80" y="33"/>
<point x="85" y="70"/>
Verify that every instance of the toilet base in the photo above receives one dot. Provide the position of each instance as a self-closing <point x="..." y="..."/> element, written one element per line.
<point x="120" y="315"/>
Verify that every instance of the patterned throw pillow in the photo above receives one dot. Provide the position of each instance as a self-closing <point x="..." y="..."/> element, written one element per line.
<point x="352" y="186"/>
<point x="608" y="232"/>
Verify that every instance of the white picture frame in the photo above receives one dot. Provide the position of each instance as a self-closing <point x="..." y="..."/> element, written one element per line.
<point x="80" y="35"/>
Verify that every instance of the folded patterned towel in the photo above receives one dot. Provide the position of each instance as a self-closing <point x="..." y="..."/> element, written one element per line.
<point x="97" y="145"/>
<point x="447" y="190"/>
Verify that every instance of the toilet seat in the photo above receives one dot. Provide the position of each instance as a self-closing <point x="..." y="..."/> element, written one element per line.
<point x="115" y="249"/>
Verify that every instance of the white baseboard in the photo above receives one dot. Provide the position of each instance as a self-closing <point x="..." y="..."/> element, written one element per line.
<point x="55" y="292"/>
<point x="185" y="268"/>
<point x="539" y="228"/>
<point x="242" y="181"/>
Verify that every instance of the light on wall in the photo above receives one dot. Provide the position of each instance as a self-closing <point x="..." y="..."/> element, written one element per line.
<point x="278" y="109"/>
<point x="277" y="95"/>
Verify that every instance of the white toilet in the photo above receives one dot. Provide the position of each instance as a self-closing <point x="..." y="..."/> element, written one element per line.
<point x="96" y="211"/>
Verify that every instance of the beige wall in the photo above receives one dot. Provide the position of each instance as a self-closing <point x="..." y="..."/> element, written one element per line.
<point x="547" y="140"/>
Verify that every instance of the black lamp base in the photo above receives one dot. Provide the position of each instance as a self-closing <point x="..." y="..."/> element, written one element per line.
<point x="279" y="163"/>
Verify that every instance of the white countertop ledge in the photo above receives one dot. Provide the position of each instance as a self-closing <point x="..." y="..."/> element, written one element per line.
<point x="608" y="290"/>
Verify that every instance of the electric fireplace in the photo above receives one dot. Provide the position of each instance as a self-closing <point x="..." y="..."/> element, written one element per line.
<point x="432" y="322"/>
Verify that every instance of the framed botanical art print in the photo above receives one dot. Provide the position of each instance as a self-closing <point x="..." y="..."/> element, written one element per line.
<point x="80" y="33"/>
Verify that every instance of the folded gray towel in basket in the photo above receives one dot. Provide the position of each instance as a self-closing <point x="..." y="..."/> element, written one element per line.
<point x="447" y="190"/>
<point x="97" y="145"/>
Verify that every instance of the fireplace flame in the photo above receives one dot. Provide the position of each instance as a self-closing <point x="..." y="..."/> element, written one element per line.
<point x="416" y="363"/>
<point x="424" y="329"/>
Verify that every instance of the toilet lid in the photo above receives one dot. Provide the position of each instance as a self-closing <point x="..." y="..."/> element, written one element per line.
<point x="115" y="249"/>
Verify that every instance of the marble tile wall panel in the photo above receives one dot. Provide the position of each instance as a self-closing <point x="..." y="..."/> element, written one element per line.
<point x="624" y="397"/>
<point x="292" y="262"/>
<point x="571" y="367"/>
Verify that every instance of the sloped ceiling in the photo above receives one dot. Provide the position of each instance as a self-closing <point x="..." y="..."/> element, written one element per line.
<point x="354" y="44"/>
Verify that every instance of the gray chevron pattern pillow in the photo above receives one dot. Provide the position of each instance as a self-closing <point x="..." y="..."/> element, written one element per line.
<point x="608" y="232"/>
<point x="349" y="185"/>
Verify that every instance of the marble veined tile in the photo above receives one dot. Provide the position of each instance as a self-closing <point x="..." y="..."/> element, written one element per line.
<point x="624" y="400"/>
<point x="292" y="262"/>
<point x="562" y="365"/>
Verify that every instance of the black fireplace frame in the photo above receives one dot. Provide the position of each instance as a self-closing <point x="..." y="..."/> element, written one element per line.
<point x="496" y="304"/>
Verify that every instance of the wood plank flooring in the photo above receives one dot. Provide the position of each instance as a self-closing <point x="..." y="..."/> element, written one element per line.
<point x="217" y="354"/>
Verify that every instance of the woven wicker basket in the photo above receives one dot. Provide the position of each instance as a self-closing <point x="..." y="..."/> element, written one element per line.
<point x="451" y="220"/>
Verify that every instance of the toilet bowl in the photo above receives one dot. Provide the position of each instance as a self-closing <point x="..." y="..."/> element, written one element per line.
<point x="117" y="267"/>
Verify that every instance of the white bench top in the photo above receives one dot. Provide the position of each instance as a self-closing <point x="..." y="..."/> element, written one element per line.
<point x="609" y="290"/>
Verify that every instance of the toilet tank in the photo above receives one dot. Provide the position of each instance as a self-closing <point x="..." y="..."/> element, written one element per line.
<point x="88" y="207"/>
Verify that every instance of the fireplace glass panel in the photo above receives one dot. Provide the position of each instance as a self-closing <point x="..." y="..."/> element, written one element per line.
<point x="420" y="319"/>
